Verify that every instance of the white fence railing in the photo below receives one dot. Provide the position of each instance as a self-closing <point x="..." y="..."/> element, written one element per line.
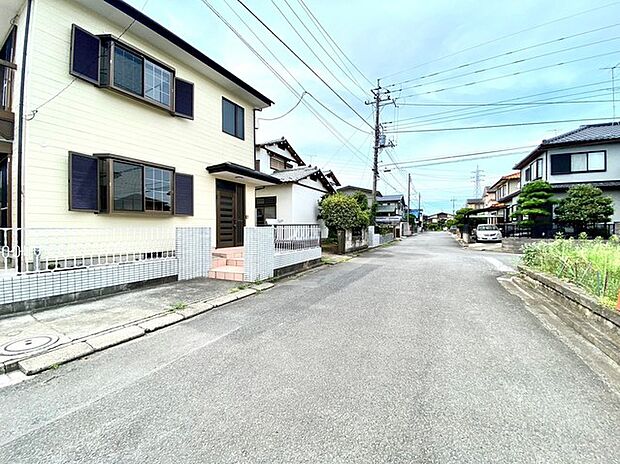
<point x="53" y="249"/>
<point x="292" y="237"/>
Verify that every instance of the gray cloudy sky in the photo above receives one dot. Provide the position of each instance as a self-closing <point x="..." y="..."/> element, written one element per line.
<point x="405" y="41"/>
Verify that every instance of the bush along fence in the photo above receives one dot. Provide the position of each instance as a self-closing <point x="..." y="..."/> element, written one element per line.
<point x="593" y="265"/>
<point x="275" y="250"/>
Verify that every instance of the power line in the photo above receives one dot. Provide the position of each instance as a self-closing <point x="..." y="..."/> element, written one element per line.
<point x="462" y="155"/>
<point x="548" y="92"/>
<point x="503" y="65"/>
<point x="532" y="123"/>
<point x="541" y="102"/>
<point x="497" y="39"/>
<point x="562" y="63"/>
<point x="511" y="52"/>
<point x="321" y="28"/>
<point x="460" y="160"/>
<point x="303" y="62"/>
<point x="483" y="113"/>
<point x="325" y="107"/>
<point x="313" y="52"/>
<point x="322" y="120"/>
<point x="329" y="55"/>
<point x="303" y="94"/>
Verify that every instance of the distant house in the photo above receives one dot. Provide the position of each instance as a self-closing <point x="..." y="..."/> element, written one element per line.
<point x="589" y="154"/>
<point x="506" y="191"/>
<point x="295" y="199"/>
<point x="352" y="190"/>
<point x="475" y="203"/>
<point x="391" y="209"/>
<point x="439" y="218"/>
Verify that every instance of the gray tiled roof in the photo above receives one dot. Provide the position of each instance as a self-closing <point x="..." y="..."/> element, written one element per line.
<point x="593" y="132"/>
<point x="390" y="198"/>
<point x="294" y="175"/>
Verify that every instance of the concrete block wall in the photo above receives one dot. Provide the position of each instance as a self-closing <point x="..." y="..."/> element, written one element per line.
<point x="193" y="251"/>
<point x="258" y="253"/>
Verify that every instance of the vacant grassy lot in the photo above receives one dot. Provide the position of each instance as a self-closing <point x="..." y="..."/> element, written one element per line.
<point x="592" y="264"/>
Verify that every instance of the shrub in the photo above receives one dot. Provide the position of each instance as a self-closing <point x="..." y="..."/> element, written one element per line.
<point x="584" y="206"/>
<point x="341" y="211"/>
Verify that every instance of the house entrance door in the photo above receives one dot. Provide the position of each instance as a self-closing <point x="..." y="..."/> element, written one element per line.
<point x="230" y="205"/>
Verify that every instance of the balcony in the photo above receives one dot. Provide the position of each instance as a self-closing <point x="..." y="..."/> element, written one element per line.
<point x="7" y="116"/>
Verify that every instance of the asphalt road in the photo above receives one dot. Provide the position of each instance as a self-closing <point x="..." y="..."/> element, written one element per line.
<point x="411" y="353"/>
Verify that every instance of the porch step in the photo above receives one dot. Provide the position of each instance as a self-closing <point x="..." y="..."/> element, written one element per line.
<point x="229" y="253"/>
<point x="234" y="273"/>
<point x="220" y="262"/>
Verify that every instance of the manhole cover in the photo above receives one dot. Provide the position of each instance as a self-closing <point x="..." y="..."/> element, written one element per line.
<point x="27" y="345"/>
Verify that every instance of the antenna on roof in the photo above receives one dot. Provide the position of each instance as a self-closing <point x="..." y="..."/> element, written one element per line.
<point x="613" y="90"/>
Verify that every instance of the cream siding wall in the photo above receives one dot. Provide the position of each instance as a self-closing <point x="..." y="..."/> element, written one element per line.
<point x="89" y="120"/>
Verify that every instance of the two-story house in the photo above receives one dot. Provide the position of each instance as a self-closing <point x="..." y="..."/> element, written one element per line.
<point x="109" y="120"/>
<point x="506" y="191"/>
<point x="295" y="200"/>
<point x="587" y="155"/>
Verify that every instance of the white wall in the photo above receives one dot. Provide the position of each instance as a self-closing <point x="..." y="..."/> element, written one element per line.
<point x="284" y="201"/>
<point x="306" y="205"/>
<point x="89" y="120"/>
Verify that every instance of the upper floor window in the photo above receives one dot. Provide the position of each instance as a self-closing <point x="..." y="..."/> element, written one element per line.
<point x="569" y="163"/>
<point x="157" y="83"/>
<point x="539" y="168"/>
<point x="107" y="62"/>
<point x="277" y="163"/>
<point x="233" y="118"/>
<point x="528" y="174"/>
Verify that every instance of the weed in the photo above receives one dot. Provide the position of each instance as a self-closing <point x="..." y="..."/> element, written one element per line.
<point x="178" y="306"/>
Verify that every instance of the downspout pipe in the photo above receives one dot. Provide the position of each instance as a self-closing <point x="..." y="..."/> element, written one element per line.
<point x="21" y="141"/>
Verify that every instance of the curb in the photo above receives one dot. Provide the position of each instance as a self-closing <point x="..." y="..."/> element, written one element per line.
<point x="595" y="323"/>
<point x="115" y="336"/>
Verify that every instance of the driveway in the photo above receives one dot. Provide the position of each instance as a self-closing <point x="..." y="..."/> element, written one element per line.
<point x="410" y="353"/>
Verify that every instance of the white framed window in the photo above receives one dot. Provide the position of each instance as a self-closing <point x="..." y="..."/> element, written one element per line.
<point x="157" y="83"/>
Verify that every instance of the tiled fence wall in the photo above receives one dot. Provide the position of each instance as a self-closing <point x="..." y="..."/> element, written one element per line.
<point x="192" y="260"/>
<point x="261" y="258"/>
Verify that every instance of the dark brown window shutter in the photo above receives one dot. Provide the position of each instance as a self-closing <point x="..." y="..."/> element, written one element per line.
<point x="85" y="49"/>
<point x="184" y="98"/>
<point x="83" y="182"/>
<point x="183" y="194"/>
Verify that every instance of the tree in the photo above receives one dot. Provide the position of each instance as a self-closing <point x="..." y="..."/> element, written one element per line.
<point x="341" y="211"/>
<point x="534" y="204"/>
<point x="584" y="206"/>
<point x="459" y="217"/>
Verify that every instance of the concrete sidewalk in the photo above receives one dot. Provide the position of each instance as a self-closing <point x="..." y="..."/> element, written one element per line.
<point x="64" y="332"/>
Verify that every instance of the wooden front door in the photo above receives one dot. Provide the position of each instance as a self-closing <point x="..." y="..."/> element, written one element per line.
<point x="230" y="202"/>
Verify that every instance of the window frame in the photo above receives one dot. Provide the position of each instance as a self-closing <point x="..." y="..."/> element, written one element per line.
<point x="528" y="173"/>
<point x="539" y="168"/>
<point x="587" y="170"/>
<point x="264" y="205"/>
<point x="113" y="43"/>
<point x="277" y="158"/>
<point x="108" y="162"/>
<point x="236" y="108"/>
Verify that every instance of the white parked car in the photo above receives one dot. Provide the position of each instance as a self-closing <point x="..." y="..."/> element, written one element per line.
<point x="488" y="233"/>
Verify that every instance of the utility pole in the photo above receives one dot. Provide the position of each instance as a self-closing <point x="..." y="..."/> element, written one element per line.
<point x="381" y="95"/>
<point x="453" y="200"/>
<point x="420" y="210"/>
<point x="408" y="196"/>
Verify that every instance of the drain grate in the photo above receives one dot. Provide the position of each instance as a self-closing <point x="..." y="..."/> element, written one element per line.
<point x="28" y="345"/>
